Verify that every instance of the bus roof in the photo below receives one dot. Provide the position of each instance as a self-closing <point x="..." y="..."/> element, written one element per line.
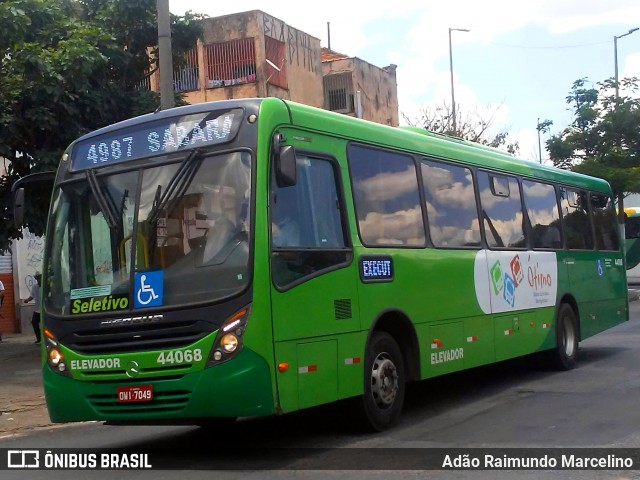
<point x="434" y="145"/>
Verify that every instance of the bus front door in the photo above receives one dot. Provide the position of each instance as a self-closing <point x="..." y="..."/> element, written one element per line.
<point x="314" y="289"/>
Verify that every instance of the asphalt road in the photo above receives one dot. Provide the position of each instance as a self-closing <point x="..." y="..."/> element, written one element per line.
<point x="511" y="404"/>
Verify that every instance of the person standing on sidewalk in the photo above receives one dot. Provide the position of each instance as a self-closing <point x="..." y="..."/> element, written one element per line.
<point x="35" y="296"/>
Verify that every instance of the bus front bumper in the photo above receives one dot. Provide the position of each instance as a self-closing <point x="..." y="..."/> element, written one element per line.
<point x="237" y="388"/>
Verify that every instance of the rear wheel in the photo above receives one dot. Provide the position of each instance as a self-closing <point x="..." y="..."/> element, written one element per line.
<point x="565" y="355"/>
<point x="384" y="382"/>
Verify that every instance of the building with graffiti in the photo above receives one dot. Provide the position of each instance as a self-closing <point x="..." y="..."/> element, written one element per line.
<point x="253" y="54"/>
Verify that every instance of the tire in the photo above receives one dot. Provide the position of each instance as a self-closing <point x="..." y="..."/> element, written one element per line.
<point x="384" y="383"/>
<point x="565" y="354"/>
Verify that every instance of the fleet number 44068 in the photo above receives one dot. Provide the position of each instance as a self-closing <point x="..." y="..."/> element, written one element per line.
<point x="180" y="356"/>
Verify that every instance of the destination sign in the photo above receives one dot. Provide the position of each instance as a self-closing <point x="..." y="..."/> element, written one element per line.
<point x="157" y="137"/>
<point x="377" y="268"/>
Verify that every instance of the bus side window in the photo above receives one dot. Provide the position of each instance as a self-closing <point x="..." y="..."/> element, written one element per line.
<point x="387" y="198"/>
<point x="501" y="209"/>
<point x="576" y="224"/>
<point x="451" y="205"/>
<point x="604" y="222"/>
<point x="542" y="209"/>
<point x="631" y="227"/>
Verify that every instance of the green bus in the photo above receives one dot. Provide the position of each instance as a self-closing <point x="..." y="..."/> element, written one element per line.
<point x="257" y="256"/>
<point x="632" y="240"/>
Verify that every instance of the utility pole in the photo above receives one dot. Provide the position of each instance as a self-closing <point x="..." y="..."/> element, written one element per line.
<point x="165" y="61"/>
<point x="453" y="97"/>
<point x="539" y="144"/>
<point x="542" y="128"/>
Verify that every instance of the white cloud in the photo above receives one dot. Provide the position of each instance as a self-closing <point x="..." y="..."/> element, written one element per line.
<point x="567" y="16"/>
<point x="385" y="187"/>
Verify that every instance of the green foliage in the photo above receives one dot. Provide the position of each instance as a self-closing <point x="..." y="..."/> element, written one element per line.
<point x="68" y="67"/>
<point x="604" y="139"/>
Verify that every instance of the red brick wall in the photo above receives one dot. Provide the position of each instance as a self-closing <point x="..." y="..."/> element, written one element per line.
<point x="8" y="322"/>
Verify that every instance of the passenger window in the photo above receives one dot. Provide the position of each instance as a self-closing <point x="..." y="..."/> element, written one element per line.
<point x="542" y="209"/>
<point x="450" y="200"/>
<point x="631" y="227"/>
<point x="385" y="190"/>
<point x="307" y="231"/>
<point x="604" y="222"/>
<point x="575" y="214"/>
<point x="501" y="211"/>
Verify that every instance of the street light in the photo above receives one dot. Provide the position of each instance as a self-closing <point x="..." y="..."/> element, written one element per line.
<point x="615" y="55"/>
<point x="453" y="97"/>
<point x="615" y="58"/>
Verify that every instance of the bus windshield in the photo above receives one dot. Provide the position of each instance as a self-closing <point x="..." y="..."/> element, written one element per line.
<point x="189" y="220"/>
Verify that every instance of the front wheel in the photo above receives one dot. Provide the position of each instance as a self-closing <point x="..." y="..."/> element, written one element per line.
<point x="384" y="382"/>
<point x="565" y="355"/>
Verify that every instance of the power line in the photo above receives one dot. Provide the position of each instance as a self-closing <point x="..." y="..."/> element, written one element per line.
<point x="555" y="47"/>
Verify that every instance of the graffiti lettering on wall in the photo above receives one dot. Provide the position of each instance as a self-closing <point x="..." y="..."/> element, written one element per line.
<point x="299" y="43"/>
<point x="34" y="253"/>
<point x="30" y="253"/>
<point x="35" y="249"/>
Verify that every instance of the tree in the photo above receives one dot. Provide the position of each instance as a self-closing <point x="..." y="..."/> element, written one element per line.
<point x="68" y="67"/>
<point x="603" y="140"/>
<point x="473" y="126"/>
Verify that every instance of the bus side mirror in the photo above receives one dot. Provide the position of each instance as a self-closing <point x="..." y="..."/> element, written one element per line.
<point x="18" y="207"/>
<point x="286" y="169"/>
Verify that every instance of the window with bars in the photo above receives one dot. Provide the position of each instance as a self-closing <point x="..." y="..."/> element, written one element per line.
<point x="145" y="83"/>
<point x="275" y="65"/>
<point x="338" y="92"/>
<point x="185" y="78"/>
<point x="230" y="63"/>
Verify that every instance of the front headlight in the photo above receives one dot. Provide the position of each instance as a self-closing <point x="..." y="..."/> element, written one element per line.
<point x="228" y="342"/>
<point x="55" y="357"/>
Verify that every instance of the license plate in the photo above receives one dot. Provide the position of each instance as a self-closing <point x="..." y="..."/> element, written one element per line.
<point x="137" y="393"/>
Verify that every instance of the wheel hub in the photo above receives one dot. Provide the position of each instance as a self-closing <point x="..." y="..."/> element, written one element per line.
<point x="384" y="380"/>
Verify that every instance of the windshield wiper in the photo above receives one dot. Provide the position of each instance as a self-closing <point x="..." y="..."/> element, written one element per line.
<point x="103" y="203"/>
<point x="178" y="184"/>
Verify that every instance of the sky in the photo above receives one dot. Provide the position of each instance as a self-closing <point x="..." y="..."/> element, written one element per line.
<point x="519" y="59"/>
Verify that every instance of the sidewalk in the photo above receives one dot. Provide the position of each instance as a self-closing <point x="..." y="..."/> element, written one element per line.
<point x="22" y="405"/>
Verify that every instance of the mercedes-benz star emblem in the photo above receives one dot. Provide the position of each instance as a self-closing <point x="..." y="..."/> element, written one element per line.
<point x="133" y="369"/>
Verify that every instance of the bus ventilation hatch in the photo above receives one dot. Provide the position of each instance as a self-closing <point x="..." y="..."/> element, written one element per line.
<point x="342" y="308"/>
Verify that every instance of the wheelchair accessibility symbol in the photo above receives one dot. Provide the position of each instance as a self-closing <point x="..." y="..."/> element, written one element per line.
<point x="600" y="267"/>
<point x="148" y="289"/>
